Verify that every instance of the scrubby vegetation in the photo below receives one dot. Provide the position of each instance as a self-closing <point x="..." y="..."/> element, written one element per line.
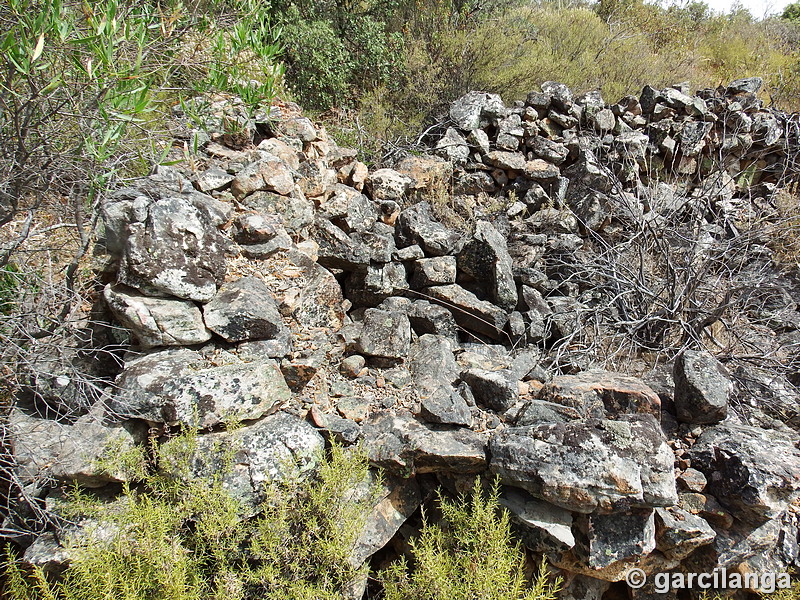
<point x="184" y="538"/>
<point x="467" y="554"/>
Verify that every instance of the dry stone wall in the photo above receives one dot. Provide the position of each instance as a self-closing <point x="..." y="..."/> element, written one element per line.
<point x="287" y="286"/>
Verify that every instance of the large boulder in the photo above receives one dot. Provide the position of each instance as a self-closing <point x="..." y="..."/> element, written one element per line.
<point x="585" y="466"/>
<point x="174" y="248"/>
<point x="753" y="471"/>
<point x="179" y="386"/>
<point x="475" y="110"/>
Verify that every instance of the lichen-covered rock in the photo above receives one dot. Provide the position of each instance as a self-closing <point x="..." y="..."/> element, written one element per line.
<point x="386" y="334"/>
<point x="752" y="471"/>
<point x="439" y="270"/>
<point x="453" y="147"/>
<point x="244" y="310"/>
<point x="416" y="225"/>
<point x="157" y="321"/>
<point x="404" y="446"/>
<point x="620" y="537"/>
<point x="278" y="447"/>
<point x="702" y="388"/>
<point x="434" y="371"/>
<point x="268" y="174"/>
<point x="470" y="312"/>
<point x="679" y="533"/>
<point x="475" y="110"/>
<point x="495" y="389"/>
<point x="82" y="451"/>
<point x="178" y="386"/>
<point x="486" y="259"/>
<point x="602" y="393"/>
<point x="173" y="248"/>
<point x="541" y="526"/>
<point x="590" y="465"/>
<point x="388" y="184"/>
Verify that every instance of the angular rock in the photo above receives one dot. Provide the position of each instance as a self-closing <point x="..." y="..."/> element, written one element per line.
<point x="268" y="174"/>
<point x="754" y="472"/>
<point x="173" y="248"/>
<point x="470" y="312"/>
<point x="295" y="210"/>
<point x="622" y="536"/>
<point x="386" y="334"/>
<point x="213" y="179"/>
<point x="156" y="321"/>
<point x="432" y="318"/>
<point x="338" y="250"/>
<point x="376" y="283"/>
<point x="278" y="447"/>
<point x="440" y="270"/>
<point x="548" y="150"/>
<point x="509" y="161"/>
<point x="320" y="301"/>
<point x="588" y="466"/>
<point x="388" y="184"/>
<point x="679" y="533"/>
<point x="750" y="85"/>
<point x="177" y="386"/>
<point x="426" y="173"/>
<point x="244" y="310"/>
<point x="397" y="499"/>
<point x="486" y="259"/>
<point x="560" y="94"/>
<point x="602" y="394"/>
<point x="416" y="225"/>
<point x="434" y="371"/>
<point x="453" y="147"/>
<point x="74" y="452"/>
<point x="541" y="527"/>
<point x="405" y="446"/>
<point x="475" y="110"/>
<point x="494" y="389"/>
<point x="300" y="128"/>
<point x="702" y="388"/>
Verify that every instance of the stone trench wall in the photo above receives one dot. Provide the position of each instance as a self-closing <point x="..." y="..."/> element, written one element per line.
<point x="289" y="287"/>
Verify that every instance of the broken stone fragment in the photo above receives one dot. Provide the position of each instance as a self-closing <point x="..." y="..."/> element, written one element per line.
<point x="386" y="334"/>
<point x="403" y="445"/>
<point x="485" y="258"/>
<point x="752" y="471"/>
<point x="416" y="225"/>
<point x="702" y="388"/>
<point x="244" y="310"/>
<point x="157" y="321"/>
<point x="469" y="311"/>
<point x="268" y="174"/>
<point x="71" y="451"/>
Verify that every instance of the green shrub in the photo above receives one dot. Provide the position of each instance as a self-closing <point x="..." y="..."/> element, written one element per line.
<point x="469" y="555"/>
<point x="191" y="540"/>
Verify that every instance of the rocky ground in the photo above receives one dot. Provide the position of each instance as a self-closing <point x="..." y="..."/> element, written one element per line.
<point x="581" y="299"/>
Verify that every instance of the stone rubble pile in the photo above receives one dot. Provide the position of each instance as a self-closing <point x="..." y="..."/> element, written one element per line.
<point x="288" y="287"/>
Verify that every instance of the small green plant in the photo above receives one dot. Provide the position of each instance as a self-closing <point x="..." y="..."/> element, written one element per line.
<point x="470" y="555"/>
